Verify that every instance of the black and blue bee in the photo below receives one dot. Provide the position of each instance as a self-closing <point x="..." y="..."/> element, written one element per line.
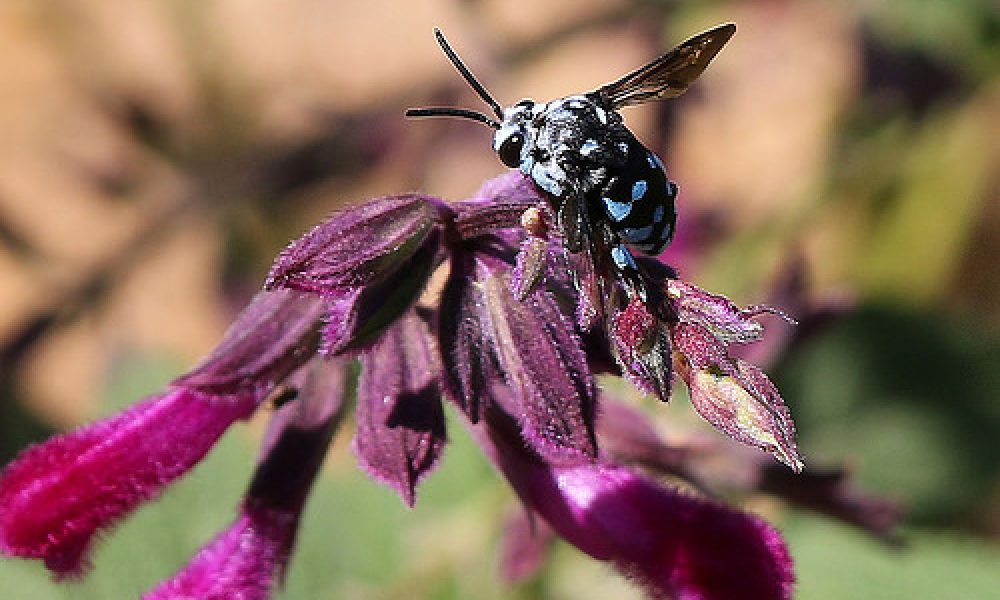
<point x="607" y="190"/>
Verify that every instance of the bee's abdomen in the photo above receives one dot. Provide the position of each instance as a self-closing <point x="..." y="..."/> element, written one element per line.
<point x="639" y="201"/>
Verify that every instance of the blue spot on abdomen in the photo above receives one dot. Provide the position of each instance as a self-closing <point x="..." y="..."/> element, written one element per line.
<point x="617" y="210"/>
<point x="638" y="190"/>
<point x="637" y="234"/>
<point x="623" y="258"/>
<point x="654" y="161"/>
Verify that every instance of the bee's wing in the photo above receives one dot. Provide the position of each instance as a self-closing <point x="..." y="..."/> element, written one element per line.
<point x="671" y="74"/>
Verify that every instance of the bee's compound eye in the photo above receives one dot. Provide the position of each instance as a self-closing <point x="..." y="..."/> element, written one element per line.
<point x="510" y="150"/>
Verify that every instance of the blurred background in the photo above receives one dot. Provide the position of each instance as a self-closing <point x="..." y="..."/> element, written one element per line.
<point x="840" y="158"/>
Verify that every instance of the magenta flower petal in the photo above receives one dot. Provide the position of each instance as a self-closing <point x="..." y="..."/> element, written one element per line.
<point x="401" y="426"/>
<point x="58" y="495"/>
<point x="672" y="543"/>
<point x="244" y="562"/>
<point x="628" y="435"/>
<point x="248" y="560"/>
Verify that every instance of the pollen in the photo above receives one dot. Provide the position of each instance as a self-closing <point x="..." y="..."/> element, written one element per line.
<point x="533" y="221"/>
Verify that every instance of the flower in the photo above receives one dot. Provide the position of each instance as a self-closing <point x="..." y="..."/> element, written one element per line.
<point x="249" y="558"/>
<point x="670" y="542"/>
<point x="58" y="495"/>
<point x="513" y="339"/>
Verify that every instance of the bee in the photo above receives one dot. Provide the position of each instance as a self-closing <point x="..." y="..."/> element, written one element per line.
<point x="608" y="192"/>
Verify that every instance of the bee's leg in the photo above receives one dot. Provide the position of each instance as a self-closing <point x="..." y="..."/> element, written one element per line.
<point x="572" y="224"/>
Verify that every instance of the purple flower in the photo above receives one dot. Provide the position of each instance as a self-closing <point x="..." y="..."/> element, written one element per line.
<point x="524" y="546"/>
<point x="249" y="558"/>
<point x="668" y="541"/>
<point x="513" y="339"/>
<point x="239" y="563"/>
<point x="628" y="435"/>
<point x="57" y="496"/>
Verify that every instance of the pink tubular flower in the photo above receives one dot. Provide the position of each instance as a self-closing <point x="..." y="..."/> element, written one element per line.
<point x="672" y="543"/>
<point x="513" y="340"/>
<point x="59" y="495"/>
<point x="239" y="563"/>
<point x="249" y="558"/>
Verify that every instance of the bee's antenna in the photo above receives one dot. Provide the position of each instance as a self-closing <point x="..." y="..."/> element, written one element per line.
<point x="467" y="74"/>
<point x="452" y="112"/>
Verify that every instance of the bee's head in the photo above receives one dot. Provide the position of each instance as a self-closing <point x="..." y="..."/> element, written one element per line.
<point x="513" y="132"/>
<point x="513" y="140"/>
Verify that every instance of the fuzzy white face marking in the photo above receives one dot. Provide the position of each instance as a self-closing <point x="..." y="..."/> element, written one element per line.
<point x="514" y="139"/>
<point x="589" y="147"/>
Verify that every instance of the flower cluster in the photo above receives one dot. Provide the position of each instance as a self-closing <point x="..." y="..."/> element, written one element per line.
<point x="513" y="338"/>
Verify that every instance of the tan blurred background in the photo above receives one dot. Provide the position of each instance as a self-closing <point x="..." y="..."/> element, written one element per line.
<point x="155" y="155"/>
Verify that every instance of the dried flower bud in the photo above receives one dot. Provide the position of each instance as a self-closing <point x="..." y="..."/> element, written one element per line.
<point x="727" y="321"/>
<point x="530" y="267"/>
<point x="733" y="395"/>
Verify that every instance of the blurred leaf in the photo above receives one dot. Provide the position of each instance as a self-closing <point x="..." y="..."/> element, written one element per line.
<point x="837" y="563"/>
<point x="918" y="241"/>
<point x="963" y="32"/>
<point x="911" y="398"/>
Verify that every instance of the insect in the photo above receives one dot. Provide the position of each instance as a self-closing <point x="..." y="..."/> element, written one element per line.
<point x="608" y="192"/>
